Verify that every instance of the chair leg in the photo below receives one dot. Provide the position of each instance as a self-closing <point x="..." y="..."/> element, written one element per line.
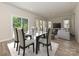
<point x="19" y="50"/>
<point x="23" y="51"/>
<point x="47" y="51"/>
<point x="17" y="47"/>
<point x="28" y="47"/>
<point x="14" y="44"/>
<point x="33" y="47"/>
<point x="30" y="37"/>
<point x="38" y="46"/>
<point x="43" y="45"/>
<point x="50" y="47"/>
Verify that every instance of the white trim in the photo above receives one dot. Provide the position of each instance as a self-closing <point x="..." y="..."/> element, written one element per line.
<point x="20" y="16"/>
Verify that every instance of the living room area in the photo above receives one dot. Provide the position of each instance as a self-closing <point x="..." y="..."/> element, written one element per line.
<point x="55" y="22"/>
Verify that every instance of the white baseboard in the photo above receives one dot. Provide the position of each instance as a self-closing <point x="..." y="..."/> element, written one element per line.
<point x="6" y="39"/>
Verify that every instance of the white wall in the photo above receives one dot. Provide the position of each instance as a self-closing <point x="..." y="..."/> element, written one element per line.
<point x="66" y="17"/>
<point x="72" y="24"/>
<point x="6" y="12"/>
<point x="77" y="23"/>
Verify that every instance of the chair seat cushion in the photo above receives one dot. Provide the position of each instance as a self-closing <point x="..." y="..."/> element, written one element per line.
<point x="43" y="40"/>
<point x="27" y="42"/>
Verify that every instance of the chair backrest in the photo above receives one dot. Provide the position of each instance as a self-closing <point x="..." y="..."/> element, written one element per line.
<point x="16" y="34"/>
<point x="21" y="37"/>
<point x="49" y="33"/>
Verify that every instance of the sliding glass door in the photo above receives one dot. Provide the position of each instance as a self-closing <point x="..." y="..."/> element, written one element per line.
<point x="19" y="22"/>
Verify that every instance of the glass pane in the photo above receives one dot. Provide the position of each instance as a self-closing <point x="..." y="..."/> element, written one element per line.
<point x="16" y="22"/>
<point x="37" y="25"/>
<point x="66" y="23"/>
<point x="25" y="24"/>
<point x="44" y="26"/>
<point x="49" y="24"/>
<point x="41" y="25"/>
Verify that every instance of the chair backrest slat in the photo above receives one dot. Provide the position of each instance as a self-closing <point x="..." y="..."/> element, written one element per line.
<point x="16" y="34"/>
<point x="21" y="37"/>
<point x="49" y="36"/>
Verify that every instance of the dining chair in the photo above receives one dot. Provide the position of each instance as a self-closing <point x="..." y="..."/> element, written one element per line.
<point x="16" y="40"/>
<point x="23" y="42"/>
<point x="46" y="42"/>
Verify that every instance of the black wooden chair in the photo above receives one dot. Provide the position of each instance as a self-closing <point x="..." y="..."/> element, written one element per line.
<point x="46" y="42"/>
<point x="23" y="42"/>
<point x="16" y="40"/>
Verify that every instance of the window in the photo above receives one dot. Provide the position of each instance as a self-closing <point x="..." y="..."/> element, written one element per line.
<point x="49" y="24"/>
<point x="41" y="25"/>
<point x="66" y="23"/>
<point x="19" y="22"/>
<point x="16" y="22"/>
<point x="25" y="24"/>
<point x="37" y="25"/>
<point x="44" y="26"/>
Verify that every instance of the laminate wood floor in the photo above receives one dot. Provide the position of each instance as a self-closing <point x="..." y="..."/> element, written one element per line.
<point x="66" y="48"/>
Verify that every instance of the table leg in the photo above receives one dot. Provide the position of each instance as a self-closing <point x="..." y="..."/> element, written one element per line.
<point x="37" y="45"/>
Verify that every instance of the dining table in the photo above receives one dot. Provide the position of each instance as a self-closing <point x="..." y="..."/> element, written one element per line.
<point x="37" y="36"/>
<point x="28" y="35"/>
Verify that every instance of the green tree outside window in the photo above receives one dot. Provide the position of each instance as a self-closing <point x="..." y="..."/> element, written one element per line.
<point x="19" y="22"/>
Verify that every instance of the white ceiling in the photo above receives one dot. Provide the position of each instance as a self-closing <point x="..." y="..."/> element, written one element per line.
<point x="47" y="9"/>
